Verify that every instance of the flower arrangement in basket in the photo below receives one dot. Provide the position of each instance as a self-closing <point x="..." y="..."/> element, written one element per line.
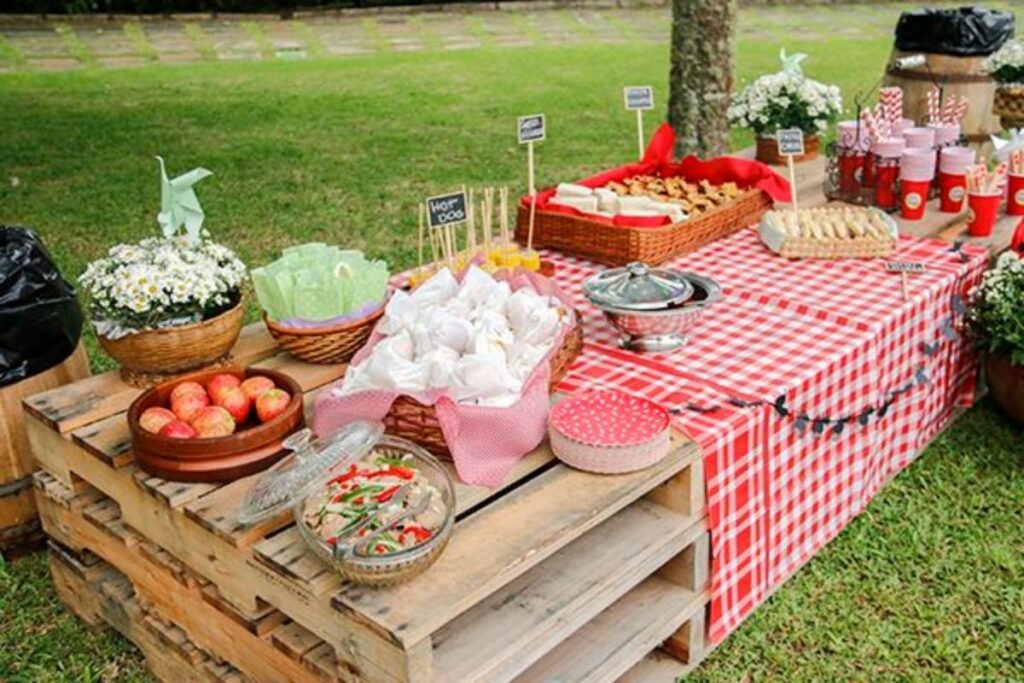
<point x="320" y="302"/>
<point x="1006" y="66"/>
<point x="996" y="321"/>
<point x="787" y="99"/>
<point x="167" y="304"/>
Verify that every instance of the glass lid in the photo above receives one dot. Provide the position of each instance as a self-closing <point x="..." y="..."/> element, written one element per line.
<point x="638" y="287"/>
<point x="311" y="463"/>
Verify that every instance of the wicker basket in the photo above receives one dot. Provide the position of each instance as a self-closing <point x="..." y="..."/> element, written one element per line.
<point x="829" y="247"/>
<point x="618" y="245"/>
<point x="332" y="344"/>
<point x="410" y="419"/>
<point x="767" y="151"/>
<point x="176" y="349"/>
<point x="1009" y="105"/>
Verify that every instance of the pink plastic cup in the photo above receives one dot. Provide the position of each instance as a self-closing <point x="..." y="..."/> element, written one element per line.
<point x="946" y="134"/>
<point x="917" y="164"/>
<point x="919" y="138"/>
<point x="906" y="124"/>
<point x="955" y="160"/>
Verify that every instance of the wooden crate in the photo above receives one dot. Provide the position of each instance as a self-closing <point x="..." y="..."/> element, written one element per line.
<point x="556" y="574"/>
<point x="18" y="522"/>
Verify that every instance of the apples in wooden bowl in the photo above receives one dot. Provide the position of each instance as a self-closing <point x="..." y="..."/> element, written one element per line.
<point x="215" y="425"/>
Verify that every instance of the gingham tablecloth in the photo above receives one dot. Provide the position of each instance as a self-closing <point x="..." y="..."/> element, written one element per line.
<point x="807" y="388"/>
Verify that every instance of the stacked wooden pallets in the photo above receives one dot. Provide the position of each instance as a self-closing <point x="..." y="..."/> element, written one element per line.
<point x="556" y="575"/>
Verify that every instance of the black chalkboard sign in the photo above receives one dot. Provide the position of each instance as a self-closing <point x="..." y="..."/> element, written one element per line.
<point x="531" y="128"/>
<point x="790" y="141"/>
<point x="446" y="209"/>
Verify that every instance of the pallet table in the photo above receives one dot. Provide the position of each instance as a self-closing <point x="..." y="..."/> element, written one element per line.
<point x="558" y="574"/>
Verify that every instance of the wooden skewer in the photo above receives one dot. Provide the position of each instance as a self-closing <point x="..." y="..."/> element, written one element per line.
<point x="904" y="283"/>
<point x="533" y="216"/>
<point x="422" y="212"/>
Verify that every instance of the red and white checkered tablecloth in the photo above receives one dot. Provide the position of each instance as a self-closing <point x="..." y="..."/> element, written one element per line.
<point x="775" y="384"/>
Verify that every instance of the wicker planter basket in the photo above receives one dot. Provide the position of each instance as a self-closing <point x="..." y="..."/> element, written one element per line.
<point x="1009" y="105"/>
<point x="410" y="419"/>
<point x="147" y="357"/>
<point x="768" y="151"/>
<point x="332" y="344"/>
<point x="619" y="245"/>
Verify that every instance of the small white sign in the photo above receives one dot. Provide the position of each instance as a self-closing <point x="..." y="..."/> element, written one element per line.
<point x="791" y="141"/>
<point x="904" y="267"/>
<point x="638" y="97"/>
<point x="531" y="128"/>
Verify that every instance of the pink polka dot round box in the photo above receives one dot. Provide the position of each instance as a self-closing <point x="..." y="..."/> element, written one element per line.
<point x="608" y="432"/>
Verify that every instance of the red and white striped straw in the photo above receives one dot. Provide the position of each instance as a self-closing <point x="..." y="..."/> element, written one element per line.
<point x="870" y="124"/>
<point x="891" y="99"/>
<point x="934" y="115"/>
<point x="960" y="110"/>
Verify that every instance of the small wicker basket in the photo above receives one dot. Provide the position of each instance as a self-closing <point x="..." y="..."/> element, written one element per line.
<point x="1009" y="105"/>
<point x="176" y="349"/>
<point x="324" y="345"/>
<point x="410" y="419"/>
<point x="618" y="245"/>
<point x="789" y="246"/>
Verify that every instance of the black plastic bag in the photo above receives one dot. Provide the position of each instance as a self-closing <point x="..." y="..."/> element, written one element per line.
<point x="40" y="317"/>
<point x="964" y="31"/>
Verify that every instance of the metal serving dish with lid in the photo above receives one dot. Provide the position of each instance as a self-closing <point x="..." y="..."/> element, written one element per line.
<point x="316" y="463"/>
<point x="652" y="308"/>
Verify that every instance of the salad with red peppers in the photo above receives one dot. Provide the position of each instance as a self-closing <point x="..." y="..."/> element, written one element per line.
<point x="384" y="488"/>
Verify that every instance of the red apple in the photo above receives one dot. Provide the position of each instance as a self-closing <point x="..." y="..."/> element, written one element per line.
<point x="213" y="421"/>
<point x="187" y="406"/>
<point x="272" y="403"/>
<point x="177" y="429"/>
<point x="154" y="419"/>
<point x="254" y="386"/>
<point x="219" y="383"/>
<point x="186" y="388"/>
<point x="236" y="402"/>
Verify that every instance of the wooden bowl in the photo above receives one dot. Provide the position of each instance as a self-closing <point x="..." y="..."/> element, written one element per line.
<point x="253" y="447"/>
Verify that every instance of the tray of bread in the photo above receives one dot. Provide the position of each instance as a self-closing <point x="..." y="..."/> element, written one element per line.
<point x="829" y="232"/>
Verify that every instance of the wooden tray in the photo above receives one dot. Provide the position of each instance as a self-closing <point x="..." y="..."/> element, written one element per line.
<point x="254" y="447"/>
<point x="613" y="566"/>
<point x="619" y="245"/>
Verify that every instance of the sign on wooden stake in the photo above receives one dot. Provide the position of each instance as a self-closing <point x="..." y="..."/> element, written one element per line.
<point x="639" y="98"/>
<point x="791" y="143"/>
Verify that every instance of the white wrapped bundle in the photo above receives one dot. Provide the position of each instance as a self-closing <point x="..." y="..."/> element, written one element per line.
<point x="479" y="340"/>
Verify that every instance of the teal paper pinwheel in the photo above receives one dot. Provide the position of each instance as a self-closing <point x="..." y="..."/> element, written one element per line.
<point x="791" y="63"/>
<point x="179" y="204"/>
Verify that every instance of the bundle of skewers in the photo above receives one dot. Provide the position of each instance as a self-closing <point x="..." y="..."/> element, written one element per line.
<point x="490" y="248"/>
<point x="950" y="112"/>
<point x="982" y="181"/>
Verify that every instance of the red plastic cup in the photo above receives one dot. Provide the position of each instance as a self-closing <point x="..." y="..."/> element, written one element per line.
<point x="952" y="190"/>
<point x="885" y="187"/>
<point x="867" y="173"/>
<point x="850" y="166"/>
<point x="1015" y="195"/>
<point x="982" y="210"/>
<point x="914" y="195"/>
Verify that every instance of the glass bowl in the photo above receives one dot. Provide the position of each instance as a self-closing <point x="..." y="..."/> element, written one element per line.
<point x="400" y="566"/>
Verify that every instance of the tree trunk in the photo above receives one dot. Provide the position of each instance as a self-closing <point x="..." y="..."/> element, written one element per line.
<point x="701" y="73"/>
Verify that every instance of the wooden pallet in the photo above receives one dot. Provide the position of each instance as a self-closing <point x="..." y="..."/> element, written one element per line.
<point x="558" y="574"/>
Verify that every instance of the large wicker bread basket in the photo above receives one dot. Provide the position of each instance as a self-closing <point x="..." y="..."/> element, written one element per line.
<point x="619" y="245"/>
<point x="410" y="419"/>
<point x="176" y="349"/>
<point x="330" y="344"/>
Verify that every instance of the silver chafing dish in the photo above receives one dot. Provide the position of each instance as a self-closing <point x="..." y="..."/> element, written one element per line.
<point x="652" y="308"/>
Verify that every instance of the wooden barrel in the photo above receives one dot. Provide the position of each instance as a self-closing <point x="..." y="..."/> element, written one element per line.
<point x="18" y="519"/>
<point x="957" y="76"/>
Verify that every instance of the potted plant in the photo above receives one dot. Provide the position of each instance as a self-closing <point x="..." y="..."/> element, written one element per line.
<point x="996" y="321"/>
<point x="786" y="99"/>
<point x="171" y="303"/>
<point x="1006" y="66"/>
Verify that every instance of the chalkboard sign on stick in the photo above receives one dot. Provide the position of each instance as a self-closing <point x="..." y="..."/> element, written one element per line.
<point x="791" y="143"/>
<point x="446" y="209"/>
<point x="532" y="128"/>
<point x="639" y="97"/>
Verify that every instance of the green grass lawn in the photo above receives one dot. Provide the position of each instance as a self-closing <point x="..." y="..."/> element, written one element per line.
<point x="927" y="584"/>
